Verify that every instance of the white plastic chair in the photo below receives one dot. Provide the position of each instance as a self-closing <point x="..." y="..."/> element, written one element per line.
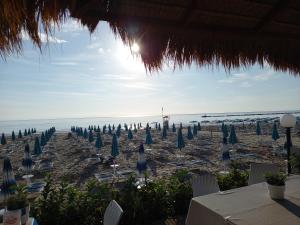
<point x="258" y="171"/>
<point x="113" y="214"/>
<point x="204" y="185"/>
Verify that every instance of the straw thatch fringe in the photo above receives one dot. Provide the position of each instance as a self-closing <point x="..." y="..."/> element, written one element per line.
<point x="158" y="44"/>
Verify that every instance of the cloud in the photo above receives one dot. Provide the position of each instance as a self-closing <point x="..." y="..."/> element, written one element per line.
<point x="246" y="79"/>
<point x="101" y="50"/>
<point x="64" y="63"/>
<point x="44" y="38"/>
<point x="65" y="93"/>
<point x="72" y="26"/>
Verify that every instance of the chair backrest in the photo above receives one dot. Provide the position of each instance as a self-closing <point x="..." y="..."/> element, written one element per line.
<point x="204" y="184"/>
<point x="258" y="171"/>
<point x="113" y="214"/>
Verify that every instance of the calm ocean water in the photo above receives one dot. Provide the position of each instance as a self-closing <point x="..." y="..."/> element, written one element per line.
<point x="65" y="124"/>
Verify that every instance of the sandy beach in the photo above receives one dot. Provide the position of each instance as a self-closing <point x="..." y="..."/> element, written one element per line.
<point x="74" y="158"/>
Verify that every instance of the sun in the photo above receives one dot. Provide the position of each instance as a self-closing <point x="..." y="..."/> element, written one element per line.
<point x="128" y="57"/>
<point x="135" y="48"/>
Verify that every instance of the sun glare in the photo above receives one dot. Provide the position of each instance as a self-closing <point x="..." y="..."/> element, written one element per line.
<point x="135" y="47"/>
<point x="128" y="58"/>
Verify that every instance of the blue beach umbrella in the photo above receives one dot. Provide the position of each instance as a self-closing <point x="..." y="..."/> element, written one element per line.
<point x="141" y="164"/>
<point x="275" y="134"/>
<point x="164" y="133"/>
<point x="190" y="134"/>
<point x="173" y="128"/>
<point x="27" y="161"/>
<point x="9" y="182"/>
<point x="159" y="129"/>
<point x="258" y="129"/>
<point x="225" y="130"/>
<point x="130" y="135"/>
<point x="180" y="140"/>
<point x="118" y="131"/>
<point x="37" y="146"/>
<point x="199" y="126"/>
<point x="114" y="146"/>
<point x="149" y="140"/>
<point x="195" y="130"/>
<point x="98" y="143"/>
<point x="232" y="137"/>
<point x="109" y="130"/>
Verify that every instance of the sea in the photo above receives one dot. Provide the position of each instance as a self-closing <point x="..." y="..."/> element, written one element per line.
<point x="64" y="124"/>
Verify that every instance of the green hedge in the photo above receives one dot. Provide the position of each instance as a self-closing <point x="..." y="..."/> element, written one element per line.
<point x="64" y="204"/>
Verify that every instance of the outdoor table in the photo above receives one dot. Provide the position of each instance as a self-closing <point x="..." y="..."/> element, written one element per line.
<point x="250" y="205"/>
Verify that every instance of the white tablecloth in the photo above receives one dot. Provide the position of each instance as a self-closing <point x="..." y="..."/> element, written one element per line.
<point x="249" y="205"/>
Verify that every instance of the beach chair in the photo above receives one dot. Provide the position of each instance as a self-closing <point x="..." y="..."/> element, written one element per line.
<point x="258" y="171"/>
<point x="113" y="214"/>
<point x="204" y="185"/>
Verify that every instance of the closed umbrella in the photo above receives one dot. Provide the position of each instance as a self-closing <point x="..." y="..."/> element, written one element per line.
<point x="190" y="134"/>
<point x="27" y="164"/>
<point x="225" y="130"/>
<point x="180" y="140"/>
<point x="275" y="134"/>
<point x="258" y="129"/>
<point x="27" y="161"/>
<point x="98" y="143"/>
<point x="149" y="140"/>
<point x="9" y="182"/>
<point x="173" y="128"/>
<point x="141" y="164"/>
<point x="164" y="133"/>
<point x="232" y="137"/>
<point x="130" y="135"/>
<point x="114" y="151"/>
<point x="195" y="130"/>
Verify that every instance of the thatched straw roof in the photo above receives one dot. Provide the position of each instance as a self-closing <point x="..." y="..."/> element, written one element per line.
<point x="233" y="33"/>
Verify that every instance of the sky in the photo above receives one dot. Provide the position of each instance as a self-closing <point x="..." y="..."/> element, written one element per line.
<point x="79" y="74"/>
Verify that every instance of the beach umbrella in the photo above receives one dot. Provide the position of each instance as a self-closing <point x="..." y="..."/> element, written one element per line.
<point x="147" y="127"/>
<point x="199" y="126"/>
<point x="149" y="140"/>
<point x="85" y="134"/>
<point x="173" y="128"/>
<point x="27" y="161"/>
<point x="113" y="127"/>
<point x="180" y="126"/>
<point x="190" y="134"/>
<point x="130" y="135"/>
<point x="37" y="146"/>
<point x="29" y="132"/>
<point x="109" y="130"/>
<point x="3" y="139"/>
<point x="135" y="130"/>
<point x="32" y="131"/>
<point x="114" y="146"/>
<point x="126" y="127"/>
<point x="225" y="130"/>
<point x="9" y="182"/>
<point x="104" y="129"/>
<point x="20" y="134"/>
<point x="156" y="126"/>
<point x="275" y="134"/>
<point x="98" y="143"/>
<point x="180" y="140"/>
<point x="258" y="129"/>
<point x="91" y="136"/>
<point x="118" y="132"/>
<point x="164" y="133"/>
<point x="43" y="139"/>
<point x="141" y="164"/>
<point x="159" y="128"/>
<point x="13" y="136"/>
<point x="98" y="129"/>
<point x="232" y="137"/>
<point x="195" y="130"/>
<point x="25" y="132"/>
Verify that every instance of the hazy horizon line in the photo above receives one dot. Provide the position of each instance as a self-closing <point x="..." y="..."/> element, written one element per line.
<point x="174" y="114"/>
